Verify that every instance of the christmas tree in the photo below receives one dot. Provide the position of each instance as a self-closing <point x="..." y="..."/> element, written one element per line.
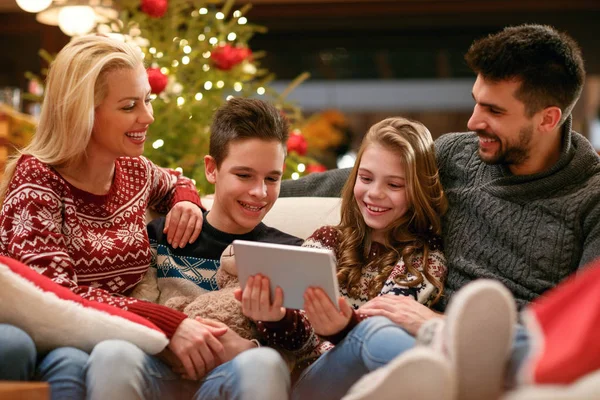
<point x="197" y="55"/>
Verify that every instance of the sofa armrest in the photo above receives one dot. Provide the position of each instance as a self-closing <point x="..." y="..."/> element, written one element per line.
<point x="587" y="387"/>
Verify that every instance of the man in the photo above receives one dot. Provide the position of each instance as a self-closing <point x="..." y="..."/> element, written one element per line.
<point x="522" y="187"/>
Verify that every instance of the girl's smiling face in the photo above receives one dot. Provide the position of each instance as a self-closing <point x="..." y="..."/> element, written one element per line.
<point x="380" y="189"/>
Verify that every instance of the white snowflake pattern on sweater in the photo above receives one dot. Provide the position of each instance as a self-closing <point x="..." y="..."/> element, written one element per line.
<point x="95" y="245"/>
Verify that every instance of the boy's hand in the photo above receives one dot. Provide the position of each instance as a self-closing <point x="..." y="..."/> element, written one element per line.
<point x="183" y="224"/>
<point x="256" y="300"/>
<point x="325" y="319"/>
<point x="197" y="347"/>
<point x="233" y="343"/>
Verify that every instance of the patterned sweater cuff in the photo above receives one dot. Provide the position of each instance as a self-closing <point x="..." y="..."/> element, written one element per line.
<point x="167" y="319"/>
<point x="282" y="325"/>
<point x="290" y="333"/>
<point x="355" y="319"/>
<point x="187" y="195"/>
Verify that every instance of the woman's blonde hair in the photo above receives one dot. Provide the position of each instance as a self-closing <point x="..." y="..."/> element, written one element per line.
<point x="75" y="86"/>
<point x="415" y="231"/>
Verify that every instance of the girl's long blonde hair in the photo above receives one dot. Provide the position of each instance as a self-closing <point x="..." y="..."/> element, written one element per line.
<point x="415" y="231"/>
<point x="75" y="86"/>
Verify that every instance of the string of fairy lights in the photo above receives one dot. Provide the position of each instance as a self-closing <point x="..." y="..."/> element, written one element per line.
<point x="197" y="58"/>
<point x="186" y="48"/>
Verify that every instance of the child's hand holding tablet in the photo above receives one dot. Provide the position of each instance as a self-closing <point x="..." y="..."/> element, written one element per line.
<point x="294" y="269"/>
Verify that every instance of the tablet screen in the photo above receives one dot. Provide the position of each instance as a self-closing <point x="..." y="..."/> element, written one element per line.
<point x="292" y="268"/>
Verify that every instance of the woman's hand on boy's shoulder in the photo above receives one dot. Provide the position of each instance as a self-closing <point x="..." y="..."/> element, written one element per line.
<point x="183" y="224"/>
<point x="403" y="310"/>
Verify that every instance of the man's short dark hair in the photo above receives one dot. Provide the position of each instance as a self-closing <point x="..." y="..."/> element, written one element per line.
<point x="241" y="118"/>
<point x="548" y="64"/>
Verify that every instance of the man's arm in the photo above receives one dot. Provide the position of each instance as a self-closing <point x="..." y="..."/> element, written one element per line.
<point x="591" y="245"/>
<point x="322" y="184"/>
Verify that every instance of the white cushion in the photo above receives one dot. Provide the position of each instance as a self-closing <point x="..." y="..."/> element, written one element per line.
<point x="299" y="216"/>
<point x="54" y="316"/>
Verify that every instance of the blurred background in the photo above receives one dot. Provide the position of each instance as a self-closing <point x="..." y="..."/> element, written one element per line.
<point x="367" y="59"/>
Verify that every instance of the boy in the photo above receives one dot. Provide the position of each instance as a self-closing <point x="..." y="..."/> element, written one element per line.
<point x="245" y="163"/>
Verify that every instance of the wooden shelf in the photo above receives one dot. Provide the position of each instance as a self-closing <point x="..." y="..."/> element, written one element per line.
<point x="10" y="390"/>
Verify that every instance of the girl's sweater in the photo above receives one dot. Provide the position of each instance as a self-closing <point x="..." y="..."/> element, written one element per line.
<point x="294" y="332"/>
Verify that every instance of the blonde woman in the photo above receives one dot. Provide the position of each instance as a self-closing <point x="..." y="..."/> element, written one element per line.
<point x="388" y="252"/>
<point x="74" y="206"/>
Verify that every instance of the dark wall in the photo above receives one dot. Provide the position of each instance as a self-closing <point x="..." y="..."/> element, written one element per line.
<point x="405" y="39"/>
<point x="21" y="38"/>
<point x="366" y="39"/>
<point x="353" y="40"/>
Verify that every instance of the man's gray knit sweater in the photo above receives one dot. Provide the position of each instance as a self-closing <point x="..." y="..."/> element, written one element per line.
<point x="529" y="232"/>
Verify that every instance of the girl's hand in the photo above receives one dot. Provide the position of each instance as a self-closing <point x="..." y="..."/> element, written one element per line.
<point x="325" y="319"/>
<point x="183" y="224"/>
<point x="256" y="300"/>
<point x="403" y="310"/>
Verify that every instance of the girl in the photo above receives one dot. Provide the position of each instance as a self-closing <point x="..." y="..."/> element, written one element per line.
<point x="388" y="256"/>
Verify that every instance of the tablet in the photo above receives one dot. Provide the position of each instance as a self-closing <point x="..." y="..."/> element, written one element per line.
<point x="292" y="268"/>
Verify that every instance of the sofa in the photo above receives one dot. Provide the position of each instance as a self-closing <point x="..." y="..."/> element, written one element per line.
<point x="301" y="216"/>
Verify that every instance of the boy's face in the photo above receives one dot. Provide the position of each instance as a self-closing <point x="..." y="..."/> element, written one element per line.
<point x="246" y="184"/>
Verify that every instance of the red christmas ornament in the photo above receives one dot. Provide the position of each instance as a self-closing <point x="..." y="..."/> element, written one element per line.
<point x="226" y="56"/>
<point x="158" y="80"/>
<point x="154" y="8"/>
<point x="297" y="143"/>
<point x="315" y="168"/>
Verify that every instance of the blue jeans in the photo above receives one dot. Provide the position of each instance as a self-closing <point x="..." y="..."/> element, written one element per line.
<point x="17" y="354"/>
<point x="371" y="344"/>
<point x="519" y="353"/>
<point x="120" y="370"/>
<point x="62" y="368"/>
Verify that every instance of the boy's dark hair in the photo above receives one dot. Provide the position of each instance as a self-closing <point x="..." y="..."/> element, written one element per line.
<point x="547" y="62"/>
<point x="241" y="118"/>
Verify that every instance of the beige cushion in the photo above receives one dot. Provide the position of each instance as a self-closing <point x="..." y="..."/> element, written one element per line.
<point x="585" y="388"/>
<point x="300" y="216"/>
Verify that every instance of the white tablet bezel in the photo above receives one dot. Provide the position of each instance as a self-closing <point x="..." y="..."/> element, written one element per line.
<point x="293" y="268"/>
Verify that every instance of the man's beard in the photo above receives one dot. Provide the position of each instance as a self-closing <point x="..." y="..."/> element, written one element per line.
<point x="513" y="154"/>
